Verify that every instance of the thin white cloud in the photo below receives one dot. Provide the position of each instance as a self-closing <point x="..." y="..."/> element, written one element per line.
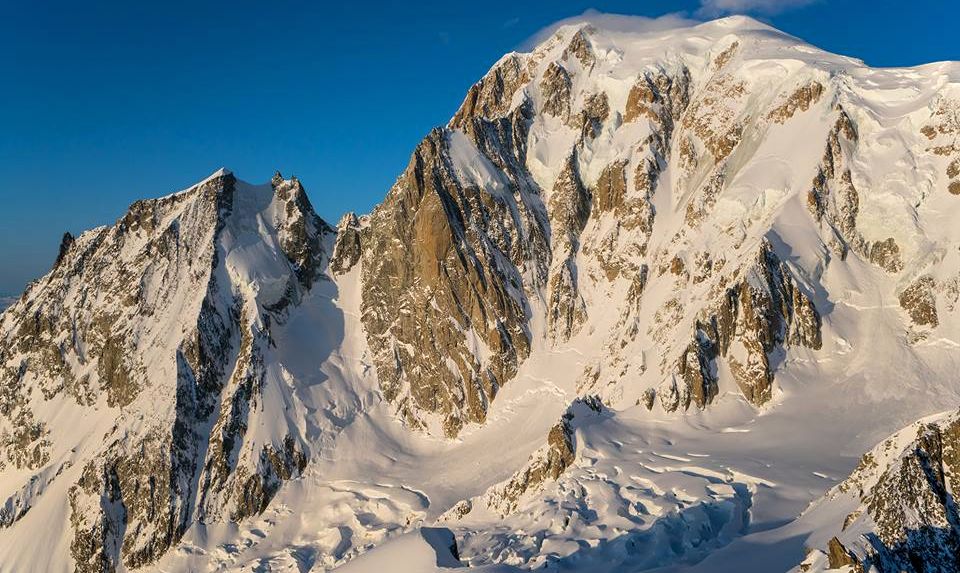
<point x="613" y="22"/>
<point x="714" y="8"/>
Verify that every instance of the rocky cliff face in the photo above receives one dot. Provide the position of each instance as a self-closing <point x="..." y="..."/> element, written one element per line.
<point x="444" y="305"/>
<point x="756" y="316"/>
<point x="905" y="516"/>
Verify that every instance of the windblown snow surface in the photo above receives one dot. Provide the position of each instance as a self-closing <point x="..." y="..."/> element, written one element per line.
<point x="713" y="490"/>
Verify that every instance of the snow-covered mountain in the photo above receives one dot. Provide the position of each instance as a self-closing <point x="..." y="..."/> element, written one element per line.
<point x="648" y="295"/>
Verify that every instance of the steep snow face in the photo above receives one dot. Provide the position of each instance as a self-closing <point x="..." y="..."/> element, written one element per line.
<point x="645" y="297"/>
<point x="139" y="395"/>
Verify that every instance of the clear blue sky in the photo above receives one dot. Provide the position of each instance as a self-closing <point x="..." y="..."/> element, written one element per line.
<point x="102" y="103"/>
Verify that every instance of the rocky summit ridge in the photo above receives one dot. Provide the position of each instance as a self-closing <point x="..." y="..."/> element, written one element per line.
<point x="623" y="241"/>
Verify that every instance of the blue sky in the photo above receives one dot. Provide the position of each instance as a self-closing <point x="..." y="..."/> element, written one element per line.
<point x="102" y="103"/>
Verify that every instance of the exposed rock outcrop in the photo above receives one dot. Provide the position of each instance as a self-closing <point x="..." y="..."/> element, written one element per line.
<point x="300" y="230"/>
<point x="943" y="131"/>
<point x="838" y="556"/>
<point x="65" y="243"/>
<point x="762" y="311"/>
<point x="886" y="255"/>
<point x="920" y="302"/>
<point x="580" y="47"/>
<point x="568" y="209"/>
<point x="348" y="246"/>
<point x="492" y="96"/>
<point x="442" y="271"/>
<point x="835" y="200"/>
<point x="907" y="518"/>
<point x="799" y="101"/>
<point x="547" y="464"/>
<point x="555" y="90"/>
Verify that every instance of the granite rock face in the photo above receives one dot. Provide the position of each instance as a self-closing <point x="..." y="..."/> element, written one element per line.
<point x="919" y="301"/>
<point x="758" y="314"/>
<point x="442" y="277"/>
<point x="348" y="246"/>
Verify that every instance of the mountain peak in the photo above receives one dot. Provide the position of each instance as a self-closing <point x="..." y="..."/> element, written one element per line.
<point x="739" y="21"/>
<point x="221" y="173"/>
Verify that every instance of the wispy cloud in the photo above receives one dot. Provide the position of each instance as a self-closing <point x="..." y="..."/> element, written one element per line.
<point x="510" y="23"/>
<point x="714" y="8"/>
<point x="614" y="22"/>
